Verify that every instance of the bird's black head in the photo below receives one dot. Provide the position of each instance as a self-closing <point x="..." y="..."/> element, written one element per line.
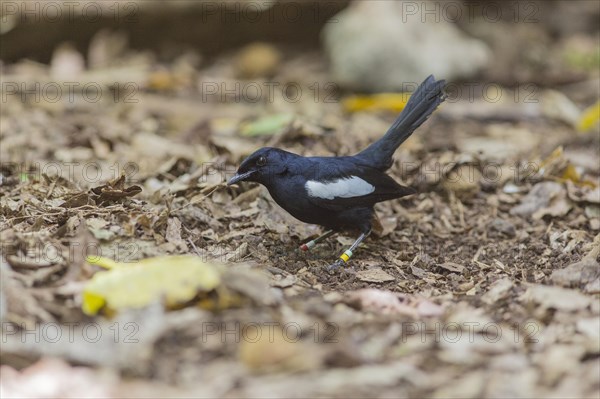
<point x="262" y="166"/>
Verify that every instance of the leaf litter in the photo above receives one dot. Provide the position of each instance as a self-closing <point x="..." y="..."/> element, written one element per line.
<point x="479" y="277"/>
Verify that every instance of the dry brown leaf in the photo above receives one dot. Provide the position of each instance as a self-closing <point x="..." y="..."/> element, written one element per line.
<point x="583" y="193"/>
<point x="387" y="302"/>
<point x="374" y="275"/>
<point x="544" y="198"/>
<point x="173" y="234"/>
<point x="452" y="267"/>
<point x="114" y="191"/>
<point x="558" y="298"/>
<point x="580" y="273"/>
<point x="498" y="290"/>
<point x="278" y="350"/>
<point x="54" y="378"/>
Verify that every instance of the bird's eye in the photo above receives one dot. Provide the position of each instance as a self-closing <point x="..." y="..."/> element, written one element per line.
<point x="262" y="161"/>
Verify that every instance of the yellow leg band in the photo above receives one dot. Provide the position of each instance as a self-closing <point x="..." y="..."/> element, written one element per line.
<point x="346" y="255"/>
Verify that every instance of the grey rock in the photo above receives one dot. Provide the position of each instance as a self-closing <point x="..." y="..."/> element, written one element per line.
<point x="373" y="46"/>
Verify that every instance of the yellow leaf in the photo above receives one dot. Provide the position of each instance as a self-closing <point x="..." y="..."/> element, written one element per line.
<point x="382" y="101"/>
<point x="106" y="263"/>
<point x="571" y="173"/>
<point x="589" y="118"/>
<point x="173" y="279"/>
<point x="161" y="80"/>
<point x="557" y="154"/>
<point x="556" y="167"/>
<point x="552" y="162"/>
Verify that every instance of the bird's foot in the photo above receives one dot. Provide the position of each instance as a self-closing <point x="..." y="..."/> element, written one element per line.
<point x="335" y="265"/>
<point x="343" y="260"/>
<point x="339" y="265"/>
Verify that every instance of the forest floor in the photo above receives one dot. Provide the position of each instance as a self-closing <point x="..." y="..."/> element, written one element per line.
<point x="485" y="283"/>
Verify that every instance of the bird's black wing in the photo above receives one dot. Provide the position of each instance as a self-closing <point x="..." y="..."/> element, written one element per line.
<point x="344" y="184"/>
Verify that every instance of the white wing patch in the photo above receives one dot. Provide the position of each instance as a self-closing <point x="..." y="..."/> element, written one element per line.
<point x="347" y="187"/>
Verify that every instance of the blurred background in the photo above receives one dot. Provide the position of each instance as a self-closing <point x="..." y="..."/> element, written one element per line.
<point x="223" y="64"/>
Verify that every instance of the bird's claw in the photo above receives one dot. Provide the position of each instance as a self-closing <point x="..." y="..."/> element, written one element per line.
<point x="334" y="266"/>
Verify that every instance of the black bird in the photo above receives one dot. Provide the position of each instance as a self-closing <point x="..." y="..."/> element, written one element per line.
<point x="339" y="192"/>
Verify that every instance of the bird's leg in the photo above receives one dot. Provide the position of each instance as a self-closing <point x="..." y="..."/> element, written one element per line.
<point x="348" y="253"/>
<point x="309" y="245"/>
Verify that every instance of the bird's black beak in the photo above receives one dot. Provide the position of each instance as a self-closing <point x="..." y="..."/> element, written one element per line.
<point x="240" y="177"/>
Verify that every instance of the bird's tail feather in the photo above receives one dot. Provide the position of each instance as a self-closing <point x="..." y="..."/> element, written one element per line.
<point x="420" y="105"/>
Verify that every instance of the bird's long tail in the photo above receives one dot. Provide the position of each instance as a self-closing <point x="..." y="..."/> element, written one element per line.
<point x="420" y="105"/>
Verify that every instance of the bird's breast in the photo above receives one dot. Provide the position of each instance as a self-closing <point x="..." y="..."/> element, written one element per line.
<point x="291" y="195"/>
